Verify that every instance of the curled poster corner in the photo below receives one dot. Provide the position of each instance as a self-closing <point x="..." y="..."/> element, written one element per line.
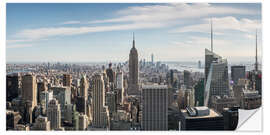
<point x="249" y="120"/>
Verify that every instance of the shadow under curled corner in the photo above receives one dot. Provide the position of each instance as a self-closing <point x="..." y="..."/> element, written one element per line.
<point x="245" y="119"/>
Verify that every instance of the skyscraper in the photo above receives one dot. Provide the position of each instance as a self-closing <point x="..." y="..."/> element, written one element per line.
<point x="199" y="92"/>
<point x="238" y="72"/>
<point x="41" y="86"/>
<point x="155" y="107"/>
<point x="152" y="58"/>
<point x="217" y="82"/>
<point x="54" y="114"/>
<point x="110" y="73"/>
<point x="187" y="79"/>
<point x="100" y="111"/>
<point x="171" y="77"/>
<point x="67" y="79"/>
<point x="133" y="81"/>
<point x="62" y="94"/>
<point x="84" y="87"/>
<point x="216" y="74"/>
<point x="120" y="87"/>
<point x="111" y="101"/>
<point x="45" y="98"/>
<point x="209" y="58"/>
<point x="12" y="84"/>
<point x="81" y="104"/>
<point x="29" y="89"/>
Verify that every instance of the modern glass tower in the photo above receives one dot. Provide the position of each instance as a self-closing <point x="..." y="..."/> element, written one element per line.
<point x="216" y="75"/>
<point x="217" y="80"/>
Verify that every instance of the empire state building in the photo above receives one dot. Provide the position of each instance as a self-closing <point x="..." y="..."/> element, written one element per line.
<point x="133" y="83"/>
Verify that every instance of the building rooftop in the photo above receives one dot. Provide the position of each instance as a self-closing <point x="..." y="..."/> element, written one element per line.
<point x="250" y="93"/>
<point x="212" y="113"/>
<point x="208" y="52"/>
<point x="154" y="86"/>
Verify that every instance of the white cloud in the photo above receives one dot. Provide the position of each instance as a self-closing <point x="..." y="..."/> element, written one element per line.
<point x="71" y="22"/>
<point x="249" y="36"/>
<point x="172" y="12"/>
<point x="201" y="42"/>
<point x="19" y="46"/>
<point x="145" y="17"/>
<point x="221" y="24"/>
<point x="17" y="41"/>
<point x="64" y="31"/>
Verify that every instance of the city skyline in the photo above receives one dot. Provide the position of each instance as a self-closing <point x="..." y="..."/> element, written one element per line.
<point x="138" y="67"/>
<point x="93" y="35"/>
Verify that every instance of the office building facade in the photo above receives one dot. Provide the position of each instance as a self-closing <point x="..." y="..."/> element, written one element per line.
<point x="155" y="107"/>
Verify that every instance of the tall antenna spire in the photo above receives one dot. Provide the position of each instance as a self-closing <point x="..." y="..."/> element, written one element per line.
<point x="211" y="36"/>
<point x="256" y="57"/>
<point x="133" y="40"/>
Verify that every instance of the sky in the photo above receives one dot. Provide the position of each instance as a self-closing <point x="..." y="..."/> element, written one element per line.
<point x="102" y="32"/>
